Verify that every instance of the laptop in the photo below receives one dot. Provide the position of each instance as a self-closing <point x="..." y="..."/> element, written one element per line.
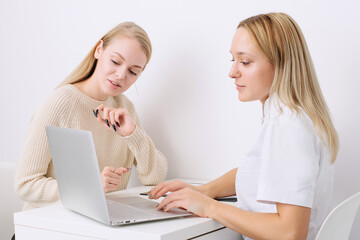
<point x="80" y="187"/>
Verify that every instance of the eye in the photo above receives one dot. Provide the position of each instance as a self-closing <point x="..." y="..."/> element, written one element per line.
<point x="244" y="62"/>
<point x="232" y="60"/>
<point x="114" y="62"/>
<point x="133" y="73"/>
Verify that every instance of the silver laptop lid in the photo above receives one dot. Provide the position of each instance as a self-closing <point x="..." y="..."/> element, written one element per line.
<point x="77" y="172"/>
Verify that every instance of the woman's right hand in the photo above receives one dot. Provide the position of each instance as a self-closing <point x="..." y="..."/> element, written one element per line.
<point x="111" y="177"/>
<point x="164" y="187"/>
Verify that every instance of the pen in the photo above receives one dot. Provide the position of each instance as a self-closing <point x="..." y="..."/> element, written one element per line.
<point x="146" y="193"/>
<point x="221" y="199"/>
<point x="226" y="199"/>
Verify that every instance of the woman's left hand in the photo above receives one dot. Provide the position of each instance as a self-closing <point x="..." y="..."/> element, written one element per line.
<point x="190" y="200"/>
<point x="116" y="119"/>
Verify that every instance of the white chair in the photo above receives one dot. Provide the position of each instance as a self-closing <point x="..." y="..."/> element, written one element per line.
<point x="9" y="202"/>
<point x="338" y="223"/>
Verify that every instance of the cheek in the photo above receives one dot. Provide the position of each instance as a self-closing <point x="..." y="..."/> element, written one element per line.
<point x="266" y="77"/>
<point x="105" y="67"/>
<point x="131" y="79"/>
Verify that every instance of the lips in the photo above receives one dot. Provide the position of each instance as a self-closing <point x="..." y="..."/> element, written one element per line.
<point x="239" y="86"/>
<point x="115" y="84"/>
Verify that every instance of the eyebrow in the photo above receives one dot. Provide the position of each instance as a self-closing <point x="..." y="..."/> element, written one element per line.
<point x="242" y="53"/>
<point x="136" y="66"/>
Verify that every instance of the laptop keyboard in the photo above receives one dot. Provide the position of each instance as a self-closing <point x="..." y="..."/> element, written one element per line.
<point x="135" y="209"/>
<point x="125" y="212"/>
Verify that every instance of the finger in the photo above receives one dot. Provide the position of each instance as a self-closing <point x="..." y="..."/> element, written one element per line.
<point x="109" y="187"/>
<point x="174" y="204"/>
<point x="168" y="187"/>
<point x="121" y="170"/>
<point x="106" y="115"/>
<point x="168" y="199"/>
<point x="100" y="108"/>
<point x="113" y="175"/>
<point x="112" y="119"/>
<point x="156" y="188"/>
<point x="162" y="191"/>
<point x="111" y="180"/>
<point x="154" y="191"/>
<point x="110" y="172"/>
<point x="105" y="171"/>
<point x="99" y="117"/>
<point x="119" y="115"/>
<point x="109" y="169"/>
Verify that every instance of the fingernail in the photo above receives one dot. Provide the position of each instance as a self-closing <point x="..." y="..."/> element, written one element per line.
<point x="155" y="196"/>
<point x="117" y="124"/>
<point x="149" y="195"/>
<point x="107" y="122"/>
<point x="128" y="169"/>
<point x="114" y="127"/>
<point x="95" y="114"/>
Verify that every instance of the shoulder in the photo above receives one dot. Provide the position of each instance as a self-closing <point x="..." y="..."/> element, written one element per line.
<point x="283" y="117"/>
<point x="61" y="95"/>
<point x="291" y="143"/>
<point x="59" y="102"/>
<point x="290" y="130"/>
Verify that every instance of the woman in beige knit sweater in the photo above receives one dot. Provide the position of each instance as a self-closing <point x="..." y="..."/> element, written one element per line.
<point x="91" y="98"/>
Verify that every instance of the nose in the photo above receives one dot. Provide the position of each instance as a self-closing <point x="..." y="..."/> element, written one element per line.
<point x="120" y="72"/>
<point x="234" y="70"/>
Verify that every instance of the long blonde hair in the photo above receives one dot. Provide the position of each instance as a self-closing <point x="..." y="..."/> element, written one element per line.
<point x="295" y="82"/>
<point x="88" y="65"/>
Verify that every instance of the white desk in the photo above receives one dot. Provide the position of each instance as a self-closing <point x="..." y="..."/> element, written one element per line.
<point x="57" y="223"/>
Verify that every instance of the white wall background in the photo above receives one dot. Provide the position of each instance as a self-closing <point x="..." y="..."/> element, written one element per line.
<point x="185" y="99"/>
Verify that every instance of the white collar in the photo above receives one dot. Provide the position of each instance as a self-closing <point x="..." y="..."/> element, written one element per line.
<point x="271" y="109"/>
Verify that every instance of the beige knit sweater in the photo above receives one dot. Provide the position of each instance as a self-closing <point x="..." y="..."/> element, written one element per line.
<point x="68" y="107"/>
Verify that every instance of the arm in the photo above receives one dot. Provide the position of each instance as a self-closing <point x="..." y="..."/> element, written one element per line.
<point x="150" y="162"/>
<point x="34" y="179"/>
<point x="220" y="187"/>
<point x="287" y="178"/>
<point x="290" y="221"/>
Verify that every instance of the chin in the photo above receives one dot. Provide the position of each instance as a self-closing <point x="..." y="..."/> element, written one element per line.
<point x="243" y="99"/>
<point x="112" y="92"/>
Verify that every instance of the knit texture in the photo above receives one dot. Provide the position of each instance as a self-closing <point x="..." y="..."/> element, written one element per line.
<point x="68" y="107"/>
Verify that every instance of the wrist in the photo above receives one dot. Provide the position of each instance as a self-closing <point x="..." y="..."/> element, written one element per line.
<point x="212" y="209"/>
<point x="129" y="132"/>
<point x="204" y="189"/>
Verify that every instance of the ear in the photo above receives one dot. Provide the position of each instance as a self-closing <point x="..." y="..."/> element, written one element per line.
<point x="98" y="49"/>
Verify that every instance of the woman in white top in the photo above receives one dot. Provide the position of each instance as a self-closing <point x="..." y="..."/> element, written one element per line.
<point x="284" y="183"/>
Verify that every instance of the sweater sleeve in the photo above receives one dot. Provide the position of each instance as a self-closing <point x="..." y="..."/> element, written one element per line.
<point x="151" y="164"/>
<point x="33" y="181"/>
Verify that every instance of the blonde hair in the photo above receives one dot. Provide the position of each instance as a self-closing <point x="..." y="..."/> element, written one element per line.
<point x="88" y="65"/>
<point x="295" y="82"/>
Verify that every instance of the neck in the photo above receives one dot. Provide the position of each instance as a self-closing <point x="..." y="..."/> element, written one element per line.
<point x="263" y="104"/>
<point x="91" y="89"/>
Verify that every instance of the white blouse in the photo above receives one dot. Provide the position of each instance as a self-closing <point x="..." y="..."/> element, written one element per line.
<point x="289" y="165"/>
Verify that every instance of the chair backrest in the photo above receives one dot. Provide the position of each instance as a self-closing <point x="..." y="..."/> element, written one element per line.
<point x="9" y="202"/>
<point x="338" y="223"/>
